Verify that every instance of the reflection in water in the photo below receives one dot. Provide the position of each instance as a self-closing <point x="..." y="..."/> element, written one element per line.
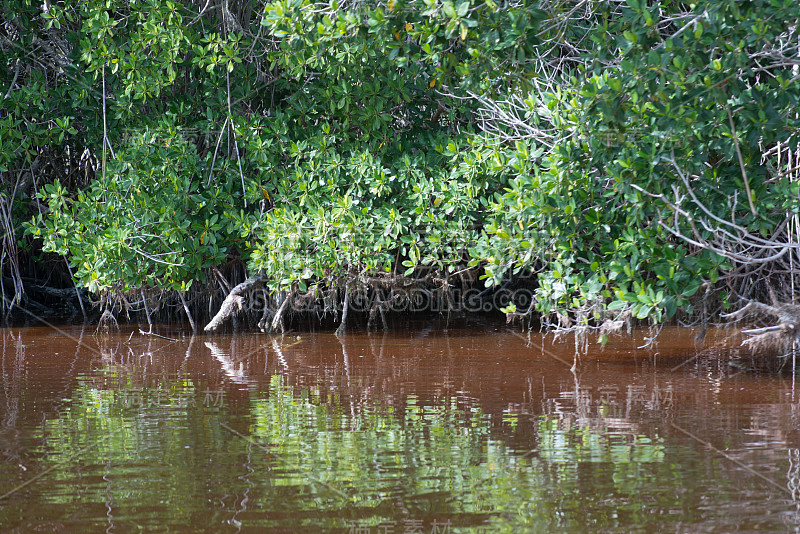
<point x="464" y="431"/>
<point x="12" y="370"/>
<point x="232" y="368"/>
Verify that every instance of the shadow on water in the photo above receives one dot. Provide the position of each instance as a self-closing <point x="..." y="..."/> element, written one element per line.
<point x="477" y="429"/>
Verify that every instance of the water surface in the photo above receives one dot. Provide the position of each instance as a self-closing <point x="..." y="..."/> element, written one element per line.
<point x="474" y="429"/>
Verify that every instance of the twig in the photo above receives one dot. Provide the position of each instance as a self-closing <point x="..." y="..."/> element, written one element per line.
<point x="156" y="335"/>
<point x="764" y="330"/>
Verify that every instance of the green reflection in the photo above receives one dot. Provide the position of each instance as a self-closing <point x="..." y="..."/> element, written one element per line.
<point x="128" y="457"/>
<point x="309" y="459"/>
<point x="440" y="460"/>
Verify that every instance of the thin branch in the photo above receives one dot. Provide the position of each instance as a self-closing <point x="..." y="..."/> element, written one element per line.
<point x="14" y="81"/>
<point x="741" y="161"/>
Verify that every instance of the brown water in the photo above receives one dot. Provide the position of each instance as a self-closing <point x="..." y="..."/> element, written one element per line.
<point x="479" y="429"/>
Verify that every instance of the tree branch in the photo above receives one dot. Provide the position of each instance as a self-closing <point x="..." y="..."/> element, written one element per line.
<point x="234" y="301"/>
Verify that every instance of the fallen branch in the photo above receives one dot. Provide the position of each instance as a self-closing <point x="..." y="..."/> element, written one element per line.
<point x="234" y="301"/>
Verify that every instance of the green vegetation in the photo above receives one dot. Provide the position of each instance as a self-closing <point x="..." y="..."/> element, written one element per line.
<point x="306" y="460"/>
<point x="637" y="159"/>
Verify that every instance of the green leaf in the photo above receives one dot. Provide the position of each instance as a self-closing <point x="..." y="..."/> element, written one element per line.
<point x="630" y="36"/>
<point x="698" y="29"/>
<point x="643" y="312"/>
<point x="617" y="305"/>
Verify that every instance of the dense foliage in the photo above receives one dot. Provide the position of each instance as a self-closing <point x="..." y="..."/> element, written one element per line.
<point x="669" y="176"/>
<point x="626" y="154"/>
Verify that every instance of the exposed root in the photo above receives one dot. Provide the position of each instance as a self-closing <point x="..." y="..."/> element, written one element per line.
<point x="107" y="321"/>
<point x="266" y="313"/>
<point x="343" y="326"/>
<point x="147" y="312"/>
<point x="188" y="313"/>
<point x="277" y="321"/>
<point x="379" y="307"/>
<point x="778" y="337"/>
<point x="614" y="326"/>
